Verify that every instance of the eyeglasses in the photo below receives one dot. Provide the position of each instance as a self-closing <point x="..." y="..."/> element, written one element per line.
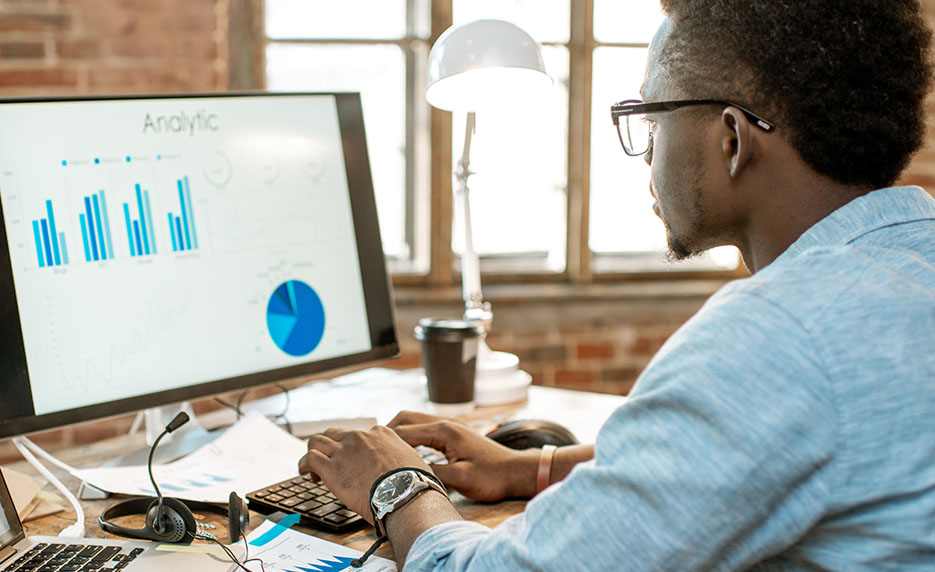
<point x="635" y="131"/>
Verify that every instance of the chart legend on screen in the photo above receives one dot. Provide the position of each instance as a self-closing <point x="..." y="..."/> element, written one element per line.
<point x="295" y="318"/>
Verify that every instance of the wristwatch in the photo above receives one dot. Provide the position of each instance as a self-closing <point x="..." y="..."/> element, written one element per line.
<point x="397" y="489"/>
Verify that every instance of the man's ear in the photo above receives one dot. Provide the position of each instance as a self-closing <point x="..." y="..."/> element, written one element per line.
<point x="736" y="143"/>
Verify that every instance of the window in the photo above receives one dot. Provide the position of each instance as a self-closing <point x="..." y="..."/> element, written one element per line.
<point x="553" y="196"/>
<point x="321" y="45"/>
<point x="624" y="234"/>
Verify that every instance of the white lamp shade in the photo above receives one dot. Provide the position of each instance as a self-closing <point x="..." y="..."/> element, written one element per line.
<point x="484" y="63"/>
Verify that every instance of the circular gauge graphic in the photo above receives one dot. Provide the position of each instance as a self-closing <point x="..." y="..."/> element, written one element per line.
<point x="295" y="318"/>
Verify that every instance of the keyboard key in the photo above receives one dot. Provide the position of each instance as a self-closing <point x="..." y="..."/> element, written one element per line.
<point x="335" y="518"/>
<point x="327" y="509"/>
<point x="307" y="506"/>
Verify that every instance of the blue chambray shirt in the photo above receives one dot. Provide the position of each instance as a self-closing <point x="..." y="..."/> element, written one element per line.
<point x="789" y="425"/>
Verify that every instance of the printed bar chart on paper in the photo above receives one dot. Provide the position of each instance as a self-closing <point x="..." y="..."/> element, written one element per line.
<point x="140" y="232"/>
<point x="95" y="229"/>
<point x="50" y="244"/>
<point x="282" y="549"/>
<point x="182" y="226"/>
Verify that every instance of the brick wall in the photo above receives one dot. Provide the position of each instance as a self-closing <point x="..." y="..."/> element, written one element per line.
<point x="572" y="341"/>
<point x="50" y="47"/>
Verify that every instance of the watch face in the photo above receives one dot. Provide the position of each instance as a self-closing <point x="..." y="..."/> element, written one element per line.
<point x="393" y="487"/>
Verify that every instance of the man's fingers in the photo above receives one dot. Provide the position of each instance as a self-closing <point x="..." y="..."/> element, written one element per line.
<point x="323" y="443"/>
<point x="452" y="475"/>
<point x="313" y="463"/>
<point x="335" y="434"/>
<point x="413" y="418"/>
<point x="435" y="435"/>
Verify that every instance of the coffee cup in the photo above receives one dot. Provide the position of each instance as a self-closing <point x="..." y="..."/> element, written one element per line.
<point x="449" y="355"/>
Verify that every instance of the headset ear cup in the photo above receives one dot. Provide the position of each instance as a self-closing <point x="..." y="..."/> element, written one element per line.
<point x="238" y="516"/>
<point x="177" y="519"/>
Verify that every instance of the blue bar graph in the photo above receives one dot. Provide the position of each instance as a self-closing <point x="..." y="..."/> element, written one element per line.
<point x="84" y="237"/>
<point x="106" y="219"/>
<point x="191" y="213"/>
<point x="140" y="231"/>
<point x="126" y="216"/>
<point x="50" y="243"/>
<point x="89" y="219"/>
<point x="182" y="227"/>
<point x="175" y="241"/>
<point x="48" y="209"/>
<point x="39" y="250"/>
<point x="136" y="233"/>
<point x="95" y="229"/>
<point x="61" y="242"/>
<point x="99" y="227"/>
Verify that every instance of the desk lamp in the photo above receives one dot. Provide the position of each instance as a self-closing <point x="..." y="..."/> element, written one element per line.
<point x="477" y="66"/>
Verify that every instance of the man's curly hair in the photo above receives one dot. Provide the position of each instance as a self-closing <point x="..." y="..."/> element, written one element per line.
<point x="846" y="80"/>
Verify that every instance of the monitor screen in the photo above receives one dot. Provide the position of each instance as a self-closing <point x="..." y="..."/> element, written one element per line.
<point x="158" y="249"/>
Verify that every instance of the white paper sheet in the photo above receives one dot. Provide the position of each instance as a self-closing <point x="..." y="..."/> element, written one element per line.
<point x="285" y="550"/>
<point x="251" y="454"/>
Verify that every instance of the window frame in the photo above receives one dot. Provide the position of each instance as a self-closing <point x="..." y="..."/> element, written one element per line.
<point x="434" y="263"/>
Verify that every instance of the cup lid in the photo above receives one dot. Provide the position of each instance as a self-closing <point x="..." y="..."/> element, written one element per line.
<point x="449" y="328"/>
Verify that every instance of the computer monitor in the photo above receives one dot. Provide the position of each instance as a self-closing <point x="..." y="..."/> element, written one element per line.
<point x="163" y="248"/>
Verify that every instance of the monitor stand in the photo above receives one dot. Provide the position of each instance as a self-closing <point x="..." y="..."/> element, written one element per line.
<point x="179" y="443"/>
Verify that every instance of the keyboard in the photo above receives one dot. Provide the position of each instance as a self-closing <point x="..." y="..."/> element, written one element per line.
<point x="314" y="502"/>
<point x="73" y="557"/>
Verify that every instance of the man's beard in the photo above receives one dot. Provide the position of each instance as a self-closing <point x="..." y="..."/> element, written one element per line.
<point x="678" y="247"/>
<point x="678" y="250"/>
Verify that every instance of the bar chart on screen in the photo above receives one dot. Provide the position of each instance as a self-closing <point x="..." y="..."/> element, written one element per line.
<point x="95" y="228"/>
<point x="51" y="249"/>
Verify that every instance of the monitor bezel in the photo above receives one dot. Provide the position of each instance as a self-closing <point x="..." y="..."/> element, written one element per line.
<point x="378" y="297"/>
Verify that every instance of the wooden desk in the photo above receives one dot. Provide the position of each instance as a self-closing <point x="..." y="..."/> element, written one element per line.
<point x="371" y="393"/>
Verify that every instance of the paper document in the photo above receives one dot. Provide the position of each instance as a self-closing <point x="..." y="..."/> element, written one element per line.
<point x="251" y="454"/>
<point x="285" y="550"/>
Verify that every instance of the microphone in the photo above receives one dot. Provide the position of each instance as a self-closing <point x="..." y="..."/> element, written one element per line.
<point x="177" y="421"/>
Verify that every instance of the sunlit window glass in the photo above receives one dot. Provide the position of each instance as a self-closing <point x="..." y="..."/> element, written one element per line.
<point x="544" y="20"/>
<point x="622" y="221"/>
<point x="385" y="19"/>
<point x="518" y="194"/>
<point x="626" y="21"/>
<point x="378" y="72"/>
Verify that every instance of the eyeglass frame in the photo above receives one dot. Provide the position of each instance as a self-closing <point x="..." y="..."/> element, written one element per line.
<point x="634" y="106"/>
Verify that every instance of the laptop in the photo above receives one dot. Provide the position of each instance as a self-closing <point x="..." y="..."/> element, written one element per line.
<point x="54" y="553"/>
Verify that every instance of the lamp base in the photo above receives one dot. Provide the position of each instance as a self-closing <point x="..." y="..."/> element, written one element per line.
<point x="498" y="379"/>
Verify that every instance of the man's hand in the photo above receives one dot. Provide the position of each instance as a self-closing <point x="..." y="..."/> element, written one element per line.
<point x="478" y="467"/>
<point x="349" y="461"/>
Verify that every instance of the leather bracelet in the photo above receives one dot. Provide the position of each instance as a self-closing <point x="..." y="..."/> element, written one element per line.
<point x="544" y="474"/>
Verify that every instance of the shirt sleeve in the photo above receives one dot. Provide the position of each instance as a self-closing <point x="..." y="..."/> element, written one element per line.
<point x="720" y="458"/>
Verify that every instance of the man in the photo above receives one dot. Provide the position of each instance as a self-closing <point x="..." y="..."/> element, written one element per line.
<point x="790" y="424"/>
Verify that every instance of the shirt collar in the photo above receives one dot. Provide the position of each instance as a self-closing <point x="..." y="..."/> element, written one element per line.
<point x="875" y="210"/>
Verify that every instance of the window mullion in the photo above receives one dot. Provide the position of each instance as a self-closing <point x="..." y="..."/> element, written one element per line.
<point x="441" y="272"/>
<point x="578" y="255"/>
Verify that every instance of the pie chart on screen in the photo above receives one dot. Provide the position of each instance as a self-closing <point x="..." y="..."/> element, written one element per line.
<point x="295" y="318"/>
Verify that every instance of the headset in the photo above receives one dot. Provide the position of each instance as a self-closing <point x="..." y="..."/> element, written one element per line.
<point x="169" y="519"/>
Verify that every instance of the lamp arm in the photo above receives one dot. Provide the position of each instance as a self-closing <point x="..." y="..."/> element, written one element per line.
<point x="463" y="172"/>
<point x="470" y="264"/>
